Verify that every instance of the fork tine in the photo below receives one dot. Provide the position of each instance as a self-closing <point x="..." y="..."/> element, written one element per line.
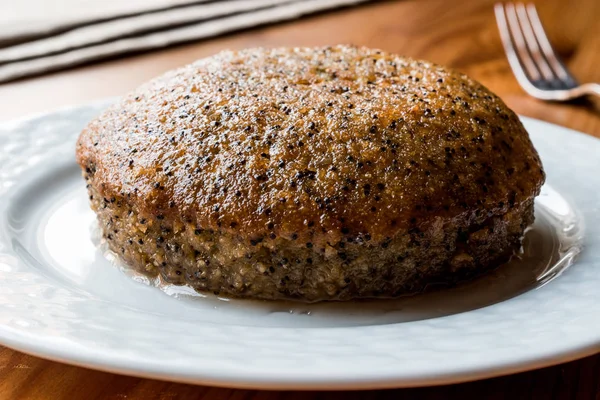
<point x="519" y="41"/>
<point x="540" y="34"/>
<point x="532" y="44"/>
<point x="511" y="54"/>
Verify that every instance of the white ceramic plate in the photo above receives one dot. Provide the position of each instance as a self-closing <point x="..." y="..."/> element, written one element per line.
<point x="60" y="297"/>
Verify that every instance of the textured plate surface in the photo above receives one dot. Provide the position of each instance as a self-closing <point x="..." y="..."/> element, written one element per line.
<point x="61" y="299"/>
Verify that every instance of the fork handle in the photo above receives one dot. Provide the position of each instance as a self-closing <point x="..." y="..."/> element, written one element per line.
<point x="591" y="88"/>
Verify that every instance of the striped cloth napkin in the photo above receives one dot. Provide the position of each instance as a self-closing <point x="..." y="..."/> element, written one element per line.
<point x="38" y="36"/>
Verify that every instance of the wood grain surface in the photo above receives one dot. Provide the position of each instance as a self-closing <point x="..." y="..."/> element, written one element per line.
<point x="461" y="34"/>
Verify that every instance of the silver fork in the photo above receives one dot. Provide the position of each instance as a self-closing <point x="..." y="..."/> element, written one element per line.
<point x="535" y="64"/>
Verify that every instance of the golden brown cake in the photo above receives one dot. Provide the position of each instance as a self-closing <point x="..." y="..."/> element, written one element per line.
<point x="311" y="174"/>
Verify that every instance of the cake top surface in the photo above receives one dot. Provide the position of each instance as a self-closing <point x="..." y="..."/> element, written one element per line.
<point x="327" y="142"/>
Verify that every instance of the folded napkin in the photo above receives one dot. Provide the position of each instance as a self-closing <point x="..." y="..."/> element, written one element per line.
<point x="116" y="29"/>
<point x="28" y="19"/>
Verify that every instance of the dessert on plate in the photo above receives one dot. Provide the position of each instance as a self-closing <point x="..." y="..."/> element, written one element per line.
<point x="311" y="174"/>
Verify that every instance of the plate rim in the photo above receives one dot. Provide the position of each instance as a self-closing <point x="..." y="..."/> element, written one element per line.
<point x="260" y="382"/>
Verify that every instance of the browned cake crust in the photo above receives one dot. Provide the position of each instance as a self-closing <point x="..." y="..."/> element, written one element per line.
<point x="223" y="173"/>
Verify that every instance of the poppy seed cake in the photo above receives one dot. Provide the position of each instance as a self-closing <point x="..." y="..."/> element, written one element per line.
<point x="311" y="174"/>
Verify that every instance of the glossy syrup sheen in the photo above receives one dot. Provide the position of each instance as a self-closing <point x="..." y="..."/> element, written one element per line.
<point x="325" y="143"/>
<point x="549" y="247"/>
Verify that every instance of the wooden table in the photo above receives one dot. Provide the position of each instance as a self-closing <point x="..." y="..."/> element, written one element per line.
<point x="459" y="34"/>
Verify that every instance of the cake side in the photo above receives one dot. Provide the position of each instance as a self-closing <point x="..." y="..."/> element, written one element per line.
<point x="229" y="265"/>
